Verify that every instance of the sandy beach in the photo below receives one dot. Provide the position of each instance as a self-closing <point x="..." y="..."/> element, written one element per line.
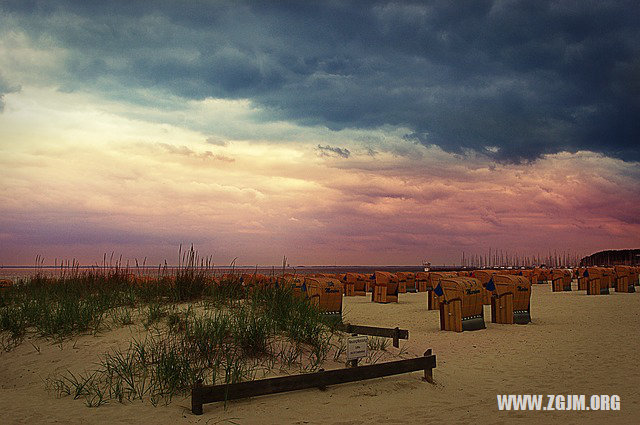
<point x="576" y="344"/>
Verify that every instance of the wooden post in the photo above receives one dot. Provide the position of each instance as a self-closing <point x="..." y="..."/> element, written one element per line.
<point x="396" y="337"/>
<point x="428" y="372"/>
<point x="322" y="387"/>
<point x="196" y="398"/>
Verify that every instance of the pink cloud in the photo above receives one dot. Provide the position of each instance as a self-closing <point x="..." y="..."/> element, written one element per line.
<point x="361" y="210"/>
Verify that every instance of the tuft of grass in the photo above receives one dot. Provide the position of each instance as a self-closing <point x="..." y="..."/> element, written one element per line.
<point x="377" y="344"/>
<point x="154" y="313"/>
<point x="121" y="316"/>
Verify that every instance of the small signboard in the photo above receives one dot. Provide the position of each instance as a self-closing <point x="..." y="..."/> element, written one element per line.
<point x="357" y="347"/>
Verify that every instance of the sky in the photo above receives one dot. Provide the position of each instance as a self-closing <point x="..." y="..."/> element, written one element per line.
<point x="329" y="132"/>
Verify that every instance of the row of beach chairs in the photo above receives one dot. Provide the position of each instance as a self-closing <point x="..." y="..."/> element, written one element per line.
<point x="458" y="296"/>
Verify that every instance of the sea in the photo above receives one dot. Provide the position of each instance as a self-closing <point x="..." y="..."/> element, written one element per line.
<point x="16" y="273"/>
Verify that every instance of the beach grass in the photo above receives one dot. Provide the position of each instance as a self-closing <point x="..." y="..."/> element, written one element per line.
<point x="197" y="327"/>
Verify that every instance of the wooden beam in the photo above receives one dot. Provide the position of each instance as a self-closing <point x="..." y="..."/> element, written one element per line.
<point x="208" y="394"/>
<point x="395" y="333"/>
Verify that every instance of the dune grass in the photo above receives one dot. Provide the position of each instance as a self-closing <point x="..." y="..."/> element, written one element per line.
<point x="77" y="301"/>
<point x="196" y="329"/>
<point x="233" y="343"/>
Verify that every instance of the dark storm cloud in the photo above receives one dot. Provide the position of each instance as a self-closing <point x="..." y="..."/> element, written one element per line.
<point x="512" y="79"/>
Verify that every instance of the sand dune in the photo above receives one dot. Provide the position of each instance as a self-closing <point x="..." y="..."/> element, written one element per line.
<point x="575" y="345"/>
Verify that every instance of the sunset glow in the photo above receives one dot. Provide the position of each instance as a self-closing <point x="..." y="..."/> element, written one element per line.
<point x="101" y="153"/>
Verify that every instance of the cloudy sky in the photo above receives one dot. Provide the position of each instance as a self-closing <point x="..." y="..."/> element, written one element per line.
<point x="330" y="132"/>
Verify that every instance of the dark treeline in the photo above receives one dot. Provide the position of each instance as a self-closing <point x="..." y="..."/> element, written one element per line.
<point x="610" y="257"/>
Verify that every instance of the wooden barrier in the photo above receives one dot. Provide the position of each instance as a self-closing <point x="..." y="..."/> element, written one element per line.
<point x="385" y="289"/>
<point x="461" y="307"/>
<point x="511" y="300"/>
<point x="201" y="394"/>
<point x="395" y="333"/>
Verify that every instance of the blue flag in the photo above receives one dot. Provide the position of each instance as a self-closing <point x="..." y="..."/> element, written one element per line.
<point x="438" y="290"/>
<point x="520" y="273"/>
<point x="586" y="273"/>
<point x="490" y="285"/>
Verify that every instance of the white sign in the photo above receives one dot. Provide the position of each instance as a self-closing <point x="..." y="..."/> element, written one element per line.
<point x="357" y="347"/>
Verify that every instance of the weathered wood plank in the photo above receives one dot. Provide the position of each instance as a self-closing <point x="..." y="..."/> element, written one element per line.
<point x="208" y="394"/>
<point x="375" y="331"/>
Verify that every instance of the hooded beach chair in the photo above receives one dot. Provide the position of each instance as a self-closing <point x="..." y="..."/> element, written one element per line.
<point x="422" y="281"/>
<point x="594" y="281"/>
<point x="433" y="299"/>
<point x="511" y="299"/>
<point x="325" y="294"/>
<point x="409" y="281"/>
<point x="561" y="280"/>
<point x="484" y="276"/>
<point x="461" y="307"/>
<point x="623" y="279"/>
<point x="385" y="289"/>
